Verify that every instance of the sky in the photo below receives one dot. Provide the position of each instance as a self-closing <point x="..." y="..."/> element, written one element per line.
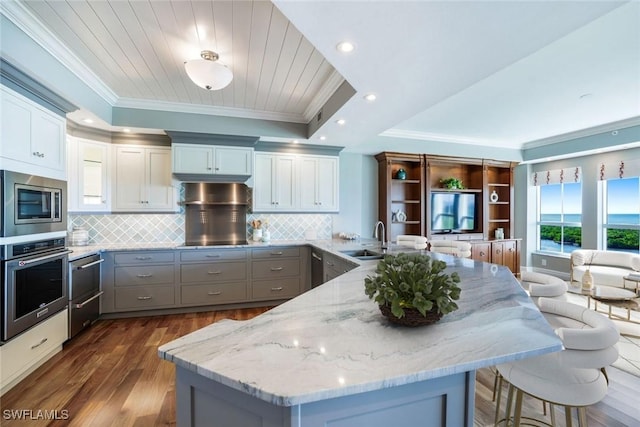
<point x="623" y="197"/>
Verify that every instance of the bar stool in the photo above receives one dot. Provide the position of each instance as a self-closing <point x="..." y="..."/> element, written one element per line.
<point x="574" y="377"/>
<point x="543" y="285"/>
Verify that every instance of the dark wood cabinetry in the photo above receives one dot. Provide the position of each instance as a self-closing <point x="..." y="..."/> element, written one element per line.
<point x="401" y="195"/>
<point x="488" y="183"/>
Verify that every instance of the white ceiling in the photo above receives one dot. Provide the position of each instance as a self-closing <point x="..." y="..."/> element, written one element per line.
<point x="492" y="73"/>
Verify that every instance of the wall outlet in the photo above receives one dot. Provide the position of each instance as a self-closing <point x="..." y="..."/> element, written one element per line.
<point x="543" y="262"/>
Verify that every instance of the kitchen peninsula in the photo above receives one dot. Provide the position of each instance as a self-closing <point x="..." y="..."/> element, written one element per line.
<point x="328" y="357"/>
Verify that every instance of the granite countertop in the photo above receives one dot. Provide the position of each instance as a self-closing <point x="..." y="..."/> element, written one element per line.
<point x="332" y="341"/>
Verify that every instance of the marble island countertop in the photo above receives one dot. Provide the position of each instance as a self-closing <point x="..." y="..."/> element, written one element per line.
<point x="332" y="341"/>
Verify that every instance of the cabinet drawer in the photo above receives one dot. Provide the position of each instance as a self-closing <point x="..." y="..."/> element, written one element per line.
<point x="213" y="272"/>
<point x="481" y="252"/>
<point x="275" y="268"/>
<point x="22" y="352"/>
<point x="214" y="294"/>
<point x="141" y="297"/>
<point x="276" y="289"/>
<point x="213" y="255"/>
<point x="144" y="275"/>
<point x="143" y="257"/>
<point x="264" y="253"/>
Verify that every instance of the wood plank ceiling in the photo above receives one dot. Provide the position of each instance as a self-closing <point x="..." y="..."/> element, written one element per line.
<point x="137" y="48"/>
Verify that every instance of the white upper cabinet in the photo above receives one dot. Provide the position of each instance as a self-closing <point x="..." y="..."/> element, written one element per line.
<point x="33" y="138"/>
<point x="275" y="183"/>
<point x="319" y="183"/>
<point x="295" y="183"/>
<point x="212" y="160"/>
<point x="89" y="175"/>
<point x="143" y="179"/>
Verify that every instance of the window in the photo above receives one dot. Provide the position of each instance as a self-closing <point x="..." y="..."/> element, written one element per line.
<point x="621" y="218"/>
<point x="560" y="217"/>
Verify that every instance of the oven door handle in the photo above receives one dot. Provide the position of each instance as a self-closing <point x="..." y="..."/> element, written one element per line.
<point x="89" y="300"/>
<point x="42" y="258"/>
<point x="91" y="264"/>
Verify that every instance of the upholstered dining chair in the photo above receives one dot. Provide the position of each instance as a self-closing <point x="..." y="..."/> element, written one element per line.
<point x="457" y="248"/>
<point x="574" y="377"/>
<point x="543" y="285"/>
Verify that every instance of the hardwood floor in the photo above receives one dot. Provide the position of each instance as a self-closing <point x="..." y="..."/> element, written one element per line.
<point x="111" y="375"/>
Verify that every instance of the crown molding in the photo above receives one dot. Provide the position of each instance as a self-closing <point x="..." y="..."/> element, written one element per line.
<point x="32" y="27"/>
<point x="210" y="110"/>
<point x="582" y="133"/>
<point x="434" y="137"/>
<point x="326" y="91"/>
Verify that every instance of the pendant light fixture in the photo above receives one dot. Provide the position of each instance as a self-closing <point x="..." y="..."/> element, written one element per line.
<point x="207" y="72"/>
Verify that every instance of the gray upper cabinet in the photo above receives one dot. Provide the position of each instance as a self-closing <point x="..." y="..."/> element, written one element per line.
<point x="212" y="159"/>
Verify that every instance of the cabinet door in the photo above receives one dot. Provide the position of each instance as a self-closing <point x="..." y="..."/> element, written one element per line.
<point x="285" y="188"/>
<point x="497" y="252"/>
<point x="481" y="251"/>
<point x="92" y="173"/>
<point x="319" y="183"/>
<point x="509" y="255"/>
<point x="15" y="132"/>
<point x="263" y="182"/>
<point x="233" y="160"/>
<point x="159" y="189"/>
<point x="192" y="159"/>
<point x="48" y="143"/>
<point x="274" y="183"/>
<point x="129" y="178"/>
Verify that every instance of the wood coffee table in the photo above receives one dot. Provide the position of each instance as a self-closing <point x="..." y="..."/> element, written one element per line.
<point x="613" y="297"/>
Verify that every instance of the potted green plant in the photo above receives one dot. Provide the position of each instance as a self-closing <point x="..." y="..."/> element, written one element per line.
<point x="452" y="183"/>
<point x="413" y="289"/>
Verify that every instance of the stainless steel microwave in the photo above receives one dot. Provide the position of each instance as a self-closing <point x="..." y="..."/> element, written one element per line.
<point x="32" y="204"/>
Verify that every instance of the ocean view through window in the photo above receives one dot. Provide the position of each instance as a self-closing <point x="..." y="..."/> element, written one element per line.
<point x="560" y="217"/>
<point x="621" y="225"/>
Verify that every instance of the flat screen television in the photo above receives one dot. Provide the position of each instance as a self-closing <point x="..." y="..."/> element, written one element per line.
<point x="453" y="212"/>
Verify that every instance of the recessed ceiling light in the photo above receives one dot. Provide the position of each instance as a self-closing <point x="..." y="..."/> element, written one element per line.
<point x="345" y="47"/>
<point x="87" y="120"/>
<point x="126" y="130"/>
<point x="295" y="141"/>
<point x="341" y="121"/>
<point x="322" y="138"/>
<point x="370" y="97"/>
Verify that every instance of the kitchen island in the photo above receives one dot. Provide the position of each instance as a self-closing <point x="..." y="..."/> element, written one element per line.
<point x="328" y="357"/>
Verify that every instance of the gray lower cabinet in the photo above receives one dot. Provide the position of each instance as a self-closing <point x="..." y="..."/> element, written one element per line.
<point x="213" y="276"/>
<point x="165" y="279"/>
<point x="334" y="266"/>
<point x="138" y="280"/>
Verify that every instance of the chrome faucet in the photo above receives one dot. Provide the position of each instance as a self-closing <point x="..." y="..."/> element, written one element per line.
<point x="375" y="233"/>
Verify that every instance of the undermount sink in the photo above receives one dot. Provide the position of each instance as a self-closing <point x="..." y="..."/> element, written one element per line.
<point x="363" y="254"/>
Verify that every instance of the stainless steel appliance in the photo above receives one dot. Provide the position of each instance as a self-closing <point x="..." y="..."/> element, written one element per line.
<point x="34" y="283"/>
<point x="84" y="293"/>
<point x="32" y="204"/>
<point x="215" y="214"/>
<point x="317" y="268"/>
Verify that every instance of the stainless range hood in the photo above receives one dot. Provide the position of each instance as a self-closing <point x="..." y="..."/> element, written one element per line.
<point x="215" y="214"/>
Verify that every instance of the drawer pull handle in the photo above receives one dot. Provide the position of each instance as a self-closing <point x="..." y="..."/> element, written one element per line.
<point x="144" y="298"/>
<point x="143" y="258"/>
<point x="276" y="253"/>
<point x="213" y="255"/>
<point x="44" y="340"/>
<point x="482" y="254"/>
<point x="278" y="289"/>
<point x="215" y="293"/>
<point x="214" y="272"/>
<point x="277" y="268"/>
<point x="144" y="276"/>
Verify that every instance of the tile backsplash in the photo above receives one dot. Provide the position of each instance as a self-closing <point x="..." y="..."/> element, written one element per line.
<point x="149" y="228"/>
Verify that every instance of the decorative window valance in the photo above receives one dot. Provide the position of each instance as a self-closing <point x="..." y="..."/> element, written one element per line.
<point x="557" y="176"/>
<point x="619" y="169"/>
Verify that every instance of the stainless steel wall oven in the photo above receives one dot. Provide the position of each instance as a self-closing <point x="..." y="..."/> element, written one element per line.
<point x="32" y="204"/>
<point x="34" y="284"/>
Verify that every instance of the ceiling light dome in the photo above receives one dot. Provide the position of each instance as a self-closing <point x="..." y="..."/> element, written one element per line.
<point x="207" y="73"/>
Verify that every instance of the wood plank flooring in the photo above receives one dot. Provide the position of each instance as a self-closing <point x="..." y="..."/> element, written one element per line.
<point x="110" y="375"/>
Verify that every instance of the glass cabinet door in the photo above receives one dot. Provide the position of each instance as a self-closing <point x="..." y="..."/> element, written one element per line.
<point x="89" y="176"/>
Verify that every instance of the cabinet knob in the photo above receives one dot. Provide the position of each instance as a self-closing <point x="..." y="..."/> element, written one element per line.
<point x="208" y="169"/>
<point x="498" y="251"/>
<point x="217" y="169"/>
<point x="482" y="253"/>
